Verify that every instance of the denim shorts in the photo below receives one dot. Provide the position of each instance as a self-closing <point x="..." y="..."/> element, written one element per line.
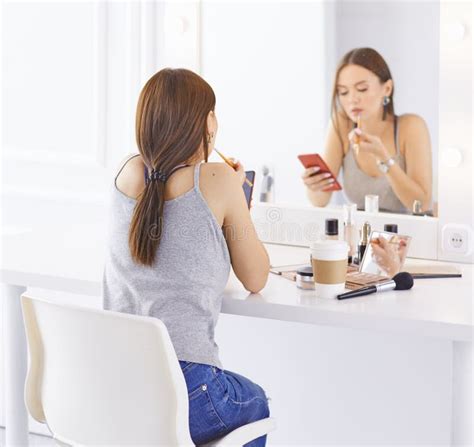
<point x="221" y="401"/>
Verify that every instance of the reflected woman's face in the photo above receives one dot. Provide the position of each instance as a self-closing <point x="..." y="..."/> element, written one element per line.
<point x="360" y="91"/>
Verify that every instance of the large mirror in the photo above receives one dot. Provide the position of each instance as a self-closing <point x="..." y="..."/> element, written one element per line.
<point x="273" y="66"/>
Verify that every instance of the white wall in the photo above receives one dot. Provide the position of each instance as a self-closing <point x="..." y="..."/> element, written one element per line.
<point x="407" y="35"/>
<point x="71" y="74"/>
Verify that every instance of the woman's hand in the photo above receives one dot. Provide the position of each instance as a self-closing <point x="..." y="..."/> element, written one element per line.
<point x="315" y="181"/>
<point x="239" y="169"/>
<point x="370" y="144"/>
<point x="386" y="256"/>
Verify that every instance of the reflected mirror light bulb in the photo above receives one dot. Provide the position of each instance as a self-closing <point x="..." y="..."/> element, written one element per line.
<point x="454" y="31"/>
<point x="176" y="25"/>
<point x="181" y="25"/>
<point x="451" y="157"/>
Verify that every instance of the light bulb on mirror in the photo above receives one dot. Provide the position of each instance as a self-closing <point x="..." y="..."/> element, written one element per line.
<point x="451" y="157"/>
<point x="454" y="31"/>
<point x="182" y="25"/>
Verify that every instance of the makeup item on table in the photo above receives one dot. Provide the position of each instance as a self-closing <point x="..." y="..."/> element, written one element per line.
<point x="364" y="241"/>
<point x="385" y="253"/>
<point x="232" y="165"/>
<point x="356" y="279"/>
<point x="372" y="203"/>
<point x="401" y="281"/>
<point x="351" y="235"/>
<point x="436" y="275"/>
<point x="432" y="270"/>
<point x="391" y="228"/>
<point x="305" y="278"/>
<point x="287" y="271"/>
<point x="329" y="262"/>
<point x="331" y="229"/>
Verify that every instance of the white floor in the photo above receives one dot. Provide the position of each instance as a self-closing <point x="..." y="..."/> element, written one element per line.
<point x="34" y="439"/>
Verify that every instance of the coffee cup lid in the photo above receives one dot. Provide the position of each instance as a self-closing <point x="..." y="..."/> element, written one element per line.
<point x="330" y="249"/>
<point x="329" y="245"/>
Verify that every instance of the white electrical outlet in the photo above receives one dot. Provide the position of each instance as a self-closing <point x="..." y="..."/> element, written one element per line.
<point x="457" y="238"/>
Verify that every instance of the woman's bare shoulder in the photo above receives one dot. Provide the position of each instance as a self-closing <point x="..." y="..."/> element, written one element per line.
<point x="411" y="121"/>
<point x="130" y="175"/>
<point x="215" y="170"/>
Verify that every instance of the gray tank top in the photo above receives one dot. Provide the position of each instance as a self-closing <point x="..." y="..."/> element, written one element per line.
<point x="185" y="285"/>
<point x="357" y="183"/>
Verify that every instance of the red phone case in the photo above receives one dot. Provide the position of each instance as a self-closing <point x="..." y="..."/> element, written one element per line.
<point x="311" y="160"/>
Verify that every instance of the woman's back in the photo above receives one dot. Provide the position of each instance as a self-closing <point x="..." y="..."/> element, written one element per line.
<point x="184" y="286"/>
<point x="172" y="239"/>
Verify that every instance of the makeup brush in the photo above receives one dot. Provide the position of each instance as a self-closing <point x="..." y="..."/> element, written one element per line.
<point x="232" y="165"/>
<point x="356" y="137"/>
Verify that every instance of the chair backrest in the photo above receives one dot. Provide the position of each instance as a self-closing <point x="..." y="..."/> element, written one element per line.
<point x="103" y="377"/>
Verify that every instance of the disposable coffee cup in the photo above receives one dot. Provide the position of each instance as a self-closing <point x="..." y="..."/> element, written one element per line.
<point x="329" y="262"/>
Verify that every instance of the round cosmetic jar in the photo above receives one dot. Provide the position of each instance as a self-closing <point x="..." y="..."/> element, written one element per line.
<point x="304" y="278"/>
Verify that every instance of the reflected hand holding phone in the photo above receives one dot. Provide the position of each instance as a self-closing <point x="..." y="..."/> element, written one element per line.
<point x="385" y="253"/>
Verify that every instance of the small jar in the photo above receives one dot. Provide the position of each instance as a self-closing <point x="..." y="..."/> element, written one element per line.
<point x="371" y="203"/>
<point x="305" y="278"/>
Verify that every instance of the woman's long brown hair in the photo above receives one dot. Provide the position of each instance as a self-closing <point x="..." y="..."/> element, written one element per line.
<point x="171" y="127"/>
<point x="371" y="60"/>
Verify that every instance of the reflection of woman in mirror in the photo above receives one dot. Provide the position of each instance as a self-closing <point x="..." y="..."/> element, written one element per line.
<point x="389" y="155"/>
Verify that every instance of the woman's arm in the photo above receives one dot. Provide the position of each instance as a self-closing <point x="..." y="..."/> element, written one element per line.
<point x="333" y="155"/>
<point x="415" y="183"/>
<point x="249" y="258"/>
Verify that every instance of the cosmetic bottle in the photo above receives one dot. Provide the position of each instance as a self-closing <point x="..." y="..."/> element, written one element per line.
<point x="364" y="240"/>
<point x="417" y="208"/>
<point x="391" y="228"/>
<point x="371" y="203"/>
<point x="268" y="186"/>
<point x="332" y="229"/>
<point x="351" y="235"/>
<point x="418" y="211"/>
<point x="304" y="278"/>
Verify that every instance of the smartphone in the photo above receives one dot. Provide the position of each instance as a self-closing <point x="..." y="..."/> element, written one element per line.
<point x="248" y="190"/>
<point x="311" y="160"/>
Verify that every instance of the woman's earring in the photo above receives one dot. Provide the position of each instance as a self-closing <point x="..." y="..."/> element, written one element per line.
<point x="385" y="102"/>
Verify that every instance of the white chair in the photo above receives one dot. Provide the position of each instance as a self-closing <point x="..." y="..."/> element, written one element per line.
<point x="108" y="378"/>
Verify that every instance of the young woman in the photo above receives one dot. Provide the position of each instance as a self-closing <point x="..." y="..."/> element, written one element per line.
<point x="177" y="225"/>
<point x="389" y="155"/>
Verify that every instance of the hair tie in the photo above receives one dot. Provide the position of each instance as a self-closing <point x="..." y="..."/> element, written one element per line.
<point x="158" y="175"/>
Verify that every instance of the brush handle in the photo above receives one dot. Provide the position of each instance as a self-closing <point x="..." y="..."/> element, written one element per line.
<point x="232" y="165"/>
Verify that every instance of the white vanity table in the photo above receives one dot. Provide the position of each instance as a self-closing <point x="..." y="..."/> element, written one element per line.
<point x="439" y="310"/>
